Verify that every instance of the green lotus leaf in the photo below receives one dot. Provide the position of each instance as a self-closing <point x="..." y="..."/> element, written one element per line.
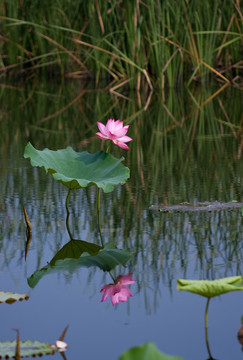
<point x="27" y="349"/>
<point x="80" y="169"/>
<point x="74" y="249"/>
<point x="211" y="288"/>
<point x="147" y="351"/>
<point x="106" y="258"/>
<point x="10" y="298"/>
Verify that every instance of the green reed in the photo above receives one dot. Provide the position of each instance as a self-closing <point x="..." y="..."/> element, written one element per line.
<point x="162" y="42"/>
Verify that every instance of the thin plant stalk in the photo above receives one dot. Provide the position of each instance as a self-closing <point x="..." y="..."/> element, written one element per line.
<point x="67" y="200"/>
<point x="68" y="214"/>
<point x="206" y="329"/>
<point x="98" y="213"/>
<point x="112" y="276"/>
<point x="108" y="147"/>
<point x="98" y="206"/>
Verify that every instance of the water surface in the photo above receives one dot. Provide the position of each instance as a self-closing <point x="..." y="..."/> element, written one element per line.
<point x="198" y="160"/>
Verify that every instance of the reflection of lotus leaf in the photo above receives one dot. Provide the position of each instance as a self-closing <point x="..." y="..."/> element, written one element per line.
<point x="211" y="288"/>
<point x="80" y="169"/>
<point x="106" y="259"/>
<point x="27" y="348"/>
<point x="74" y="249"/>
<point x="145" y="352"/>
<point x="10" y="297"/>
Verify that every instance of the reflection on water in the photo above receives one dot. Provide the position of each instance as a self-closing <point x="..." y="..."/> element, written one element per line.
<point x="192" y="156"/>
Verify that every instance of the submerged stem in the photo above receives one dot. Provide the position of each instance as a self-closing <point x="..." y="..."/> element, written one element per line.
<point x="206" y="329"/>
<point x="67" y="200"/>
<point x="98" y="213"/>
<point x="68" y="214"/>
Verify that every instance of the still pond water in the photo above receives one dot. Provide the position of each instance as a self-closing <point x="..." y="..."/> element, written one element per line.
<point x="171" y="162"/>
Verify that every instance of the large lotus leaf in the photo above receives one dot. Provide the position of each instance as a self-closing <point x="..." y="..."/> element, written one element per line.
<point x="146" y="352"/>
<point x="10" y="298"/>
<point x="106" y="259"/>
<point x="211" y="288"/>
<point x="80" y="169"/>
<point x="27" y="349"/>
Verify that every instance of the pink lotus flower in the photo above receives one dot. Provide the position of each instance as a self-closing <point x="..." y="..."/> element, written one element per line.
<point x="119" y="290"/>
<point x="114" y="131"/>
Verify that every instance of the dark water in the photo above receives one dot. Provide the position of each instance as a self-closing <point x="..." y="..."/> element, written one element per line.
<point x="166" y="167"/>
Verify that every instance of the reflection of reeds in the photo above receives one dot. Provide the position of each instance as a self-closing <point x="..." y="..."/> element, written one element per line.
<point x="164" y="245"/>
<point x="158" y="42"/>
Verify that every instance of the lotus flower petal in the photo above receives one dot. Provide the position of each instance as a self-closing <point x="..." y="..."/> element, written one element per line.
<point x="118" y="291"/>
<point x="101" y="136"/>
<point x="121" y="144"/>
<point x="125" y="279"/>
<point x="108" y="291"/>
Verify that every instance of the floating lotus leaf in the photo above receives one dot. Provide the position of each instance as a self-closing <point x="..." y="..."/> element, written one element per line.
<point x="10" y="298"/>
<point x="211" y="288"/>
<point x="27" y="349"/>
<point x="106" y="258"/>
<point x="80" y="169"/>
<point x="146" y="352"/>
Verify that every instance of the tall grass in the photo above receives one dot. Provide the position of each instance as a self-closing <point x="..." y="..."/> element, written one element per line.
<point x="149" y="42"/>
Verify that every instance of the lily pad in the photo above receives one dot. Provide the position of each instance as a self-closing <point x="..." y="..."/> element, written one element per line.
<point x="211" y="288"/>
<point x="147" y="351"/>
<point x="106" y="259"/>
<point x="78" y="170"/>
<point x="27" y="349"/>
<point x="10" y="298"/>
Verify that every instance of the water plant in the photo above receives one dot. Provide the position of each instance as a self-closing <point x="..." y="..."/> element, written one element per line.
<point x="10" y="298"/>
<point x="18" y="349"/>
<point x="209" y="289"/>
<point x="27" y="349"/>
<point x="78" y="170"/>
<point x="146" y="351"/>
<point x="77" y="254"/>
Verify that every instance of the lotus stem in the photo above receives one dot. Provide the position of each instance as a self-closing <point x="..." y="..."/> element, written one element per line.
<point x="114" y="280"/>
<point x="108" y="147"/>
<point x="98" y="204"/>
<point x="206" y="329"/>
<point x="98" y="213"/>
<point x="68" y="214"/>
<point x="67" y="200"/>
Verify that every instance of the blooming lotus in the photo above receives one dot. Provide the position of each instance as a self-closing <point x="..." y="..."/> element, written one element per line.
<point x="114" y="131"/>
<point x="119" y="290"/>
